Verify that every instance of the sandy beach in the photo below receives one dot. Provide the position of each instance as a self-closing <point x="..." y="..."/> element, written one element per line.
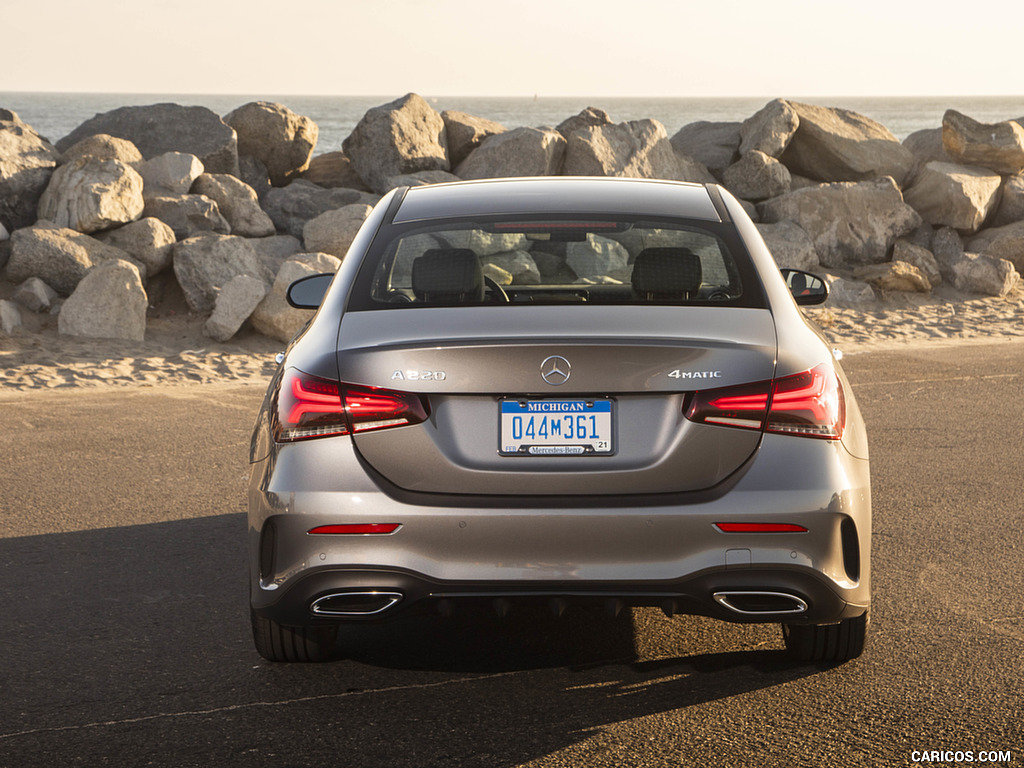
<point x="175" y="351"/>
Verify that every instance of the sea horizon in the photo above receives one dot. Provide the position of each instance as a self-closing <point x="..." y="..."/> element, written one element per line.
<point x="55" y="114"/>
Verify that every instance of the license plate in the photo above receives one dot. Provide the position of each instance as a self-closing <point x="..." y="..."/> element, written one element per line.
<point x="556" y="428"/>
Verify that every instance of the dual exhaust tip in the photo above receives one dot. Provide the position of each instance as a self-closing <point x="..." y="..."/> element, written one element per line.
<point x="376" y="601"/>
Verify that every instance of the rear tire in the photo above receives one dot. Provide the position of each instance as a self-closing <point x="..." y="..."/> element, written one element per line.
<point x="275" y="642"/>
<point x="827" y="642"/>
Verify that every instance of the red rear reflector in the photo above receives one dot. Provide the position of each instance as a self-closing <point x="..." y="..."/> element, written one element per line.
<point x="355" y="528"/>
<point x="760" y="528"/>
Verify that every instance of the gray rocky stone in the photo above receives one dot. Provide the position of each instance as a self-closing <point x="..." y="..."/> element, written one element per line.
<point x="109" y="302"/>
<point x="275" y="250"/>
<point x="159" y="128"/>
<point x="1011" y="202"/>
<point x="1006" y="242"/>
<point x="274" y="317"/>
<point x="850" y="223"/>
<point x="714" y="144"/>
<point x="926" y="146"/>
<point x="843" y="291"/>
<point x="597" y="257"/>
<point x="894" y="276"/>
<point x="403" y="136"/>
<point x="103" y="147"/>
<point x="26" y="163"/>
<point x="292" y="206"/>
<point x="91" y="194"/>
<point x="148" y="241"/>
<point x="996" y="146"/>
<point x="332" y="232"/>
<point x="35" y="295"/>
<point x="422" y="178"/>
<point x="235" y="302"/>
<point x="10" y="317"/>
<point x="465" y="132"/>
<point x="957" y="196"/>
<point x="59" y="256"/>
<point x="757" y="176"/>
<point x="237" y="203"/>
<point x="588" y="118"/>
<point x="279" y="138"/>
<point x="334" y="169"/>
<point x="770" y="129"/>
<point x="203" y="265"/>
<point x="519" y="152"/>
<point x="171" y="173"/>
<point x="948" y="249"/>
<point x="791" y="246"/>
<point x="254" y="173"/>
<point x="919" y="257"/>
<point x="187" y="215"/>
<point x="985" y="275"/>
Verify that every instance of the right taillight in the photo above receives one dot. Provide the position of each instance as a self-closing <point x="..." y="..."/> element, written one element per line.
<point x="309" y="406"/>
<point x="808" y="404"/>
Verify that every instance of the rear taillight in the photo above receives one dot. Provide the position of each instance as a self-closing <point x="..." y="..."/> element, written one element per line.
<point x="808" y="404"/>
<point x="308" y="406"/>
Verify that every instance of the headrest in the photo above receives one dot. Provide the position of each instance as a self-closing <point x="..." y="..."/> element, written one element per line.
<point x="667" y="274"/>
<point x="448" y="276"/>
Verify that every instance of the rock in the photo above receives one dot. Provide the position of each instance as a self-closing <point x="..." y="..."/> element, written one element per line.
<point x="235" y="302"/>
<point x="519" y="152"/>
<point x="919" y="257"/>
<point x="26" y="163"/>
<point x="160" y="128"/>
<point x="588" y="118"/>
<point x="275" y="250"/>
<point x="422" y="178"/>
<point x="292" y="206"/>
<point x="10" y="317"/>
<point x="103" y="147"/>
<point x="92" y="194"/>
<point x="332" y="232"/>
<point x="948" y="249"/>
<point x="957" y="196"/>
<point x="205" y="264"/>
<point x="497" y="274"/>
<point x="894" y="276"/>
<point x="274" y="317"/>
<point x="279" y="138"/>
<point x="996" y="146"/>
<point x="1006" y="242"/>
<point x="465" y="132"/>
<point x="770" y="129"/>
<point x="925" y="146"/>
<point x="35" y="295"/>
<point x="334" y="169"/>
<point x="403" y="136"/>
<point x="977" y="273"/>
<point x="254" y="173"/>
<point x="791" y="246"/>
<point x="840" y="145"/>
<point x="109" y="303"/>
<point x="59" y="256"/>
<point x="850" y="223"/>
<point x="171" y="173"/>
<point x="715" y="145"/>
<point x="188" y="215"/>
<point x="1011" y="202"/>
<point x="518" y="264"/>
<point x="757" y="176"/>
<point x="597" y="257"/>
<point x="843" y="291"/>
<point x="148" y="241"/>
<point x="638" y="149"/>
<point x="236" y="202"/>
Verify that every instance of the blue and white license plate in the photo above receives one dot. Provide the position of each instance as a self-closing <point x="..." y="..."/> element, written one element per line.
<point x="556" y="428"/>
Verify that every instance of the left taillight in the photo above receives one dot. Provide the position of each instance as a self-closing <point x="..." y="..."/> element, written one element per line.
<point x="309" y="406"/>
<point x="808" y="404"/>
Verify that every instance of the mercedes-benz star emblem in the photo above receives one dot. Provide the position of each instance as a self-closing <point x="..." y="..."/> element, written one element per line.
<point x="555" y="370"/>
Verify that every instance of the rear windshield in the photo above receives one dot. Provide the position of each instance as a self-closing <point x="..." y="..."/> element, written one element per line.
<point x="544" y="261"/>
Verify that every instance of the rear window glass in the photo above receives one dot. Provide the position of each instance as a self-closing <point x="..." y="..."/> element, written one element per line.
<point x="552" y="262"/>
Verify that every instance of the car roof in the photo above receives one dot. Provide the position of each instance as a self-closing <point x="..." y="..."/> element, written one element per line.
<point x="570" y="195"/>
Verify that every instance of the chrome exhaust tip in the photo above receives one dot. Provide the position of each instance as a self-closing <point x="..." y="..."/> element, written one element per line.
<point x="750" y="603"/>
<point x="357" y="603"/>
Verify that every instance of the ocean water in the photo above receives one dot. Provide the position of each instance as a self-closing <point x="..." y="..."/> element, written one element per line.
<point x="55" y="115"/>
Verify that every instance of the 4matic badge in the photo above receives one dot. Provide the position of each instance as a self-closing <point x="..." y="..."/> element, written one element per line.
<point x="681" y="374"/>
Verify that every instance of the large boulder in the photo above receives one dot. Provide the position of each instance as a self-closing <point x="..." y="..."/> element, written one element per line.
<point x="35" y="295"/>
<point x="274" y="316"/>
<point x="587" y="118"/>
<point x="26" y="163"/>
<point x="403" y="136"/>
<point x="996" y="146"/>
<point x="235" y="302"/>
<point x="160" y="128"/>
<point x="10" y="317"/>
<point x="519" y="152"/>
<point x="148" y="241"/>
<point x="109" y="302"/>
<point x="171" y="173"/>
<point x="91" y="194"/>
<point x="422" y="178"/>
<point x="791" y="246"/>
<point x="275" y="250"/>
<point x="236" y="202"/>
<point x="597" y="257"/>
<point x="203" y="265"/>
<point x="1006" y="242"/>
<point x="59" y="256"/>
<point x="292" y="206"/>
<point x="332" y="232"/>
<point x="920" y="257"/>
<point x="639" y="149"/>
<point x="978" y="273"/>
<point x="279" y="138"/>
<point x="187" y="215"/>
<point x="715" y="144"/>
<point x="894" y="276"/>
<point x="1011" y="202"/>
<point x="840" y="145"/>
<point x="850" y="223"/>
<point x="926" y="146"/>
<point x="957" y="196"/>
<point x="770" y="129"/>
<point x="465" y="132"/>
<point x="333" y="169"/>
<point x="757" y="176"/>
<point x="105" y="148"/>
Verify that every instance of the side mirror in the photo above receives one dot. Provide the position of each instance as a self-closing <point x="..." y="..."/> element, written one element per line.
<point x="308" y="292"/>
<point x="807" y="289"/>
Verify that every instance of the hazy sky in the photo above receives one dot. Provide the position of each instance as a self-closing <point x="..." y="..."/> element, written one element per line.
<point x="516" y="48"/>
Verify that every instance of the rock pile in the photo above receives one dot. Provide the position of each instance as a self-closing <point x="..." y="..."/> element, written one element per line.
<point x="235" y="208"/>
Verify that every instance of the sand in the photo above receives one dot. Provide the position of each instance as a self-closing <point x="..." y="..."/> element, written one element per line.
<point x="175" y="351"/>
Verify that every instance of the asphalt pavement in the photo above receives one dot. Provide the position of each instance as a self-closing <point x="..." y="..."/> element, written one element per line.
<point x="124" y="620"/>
